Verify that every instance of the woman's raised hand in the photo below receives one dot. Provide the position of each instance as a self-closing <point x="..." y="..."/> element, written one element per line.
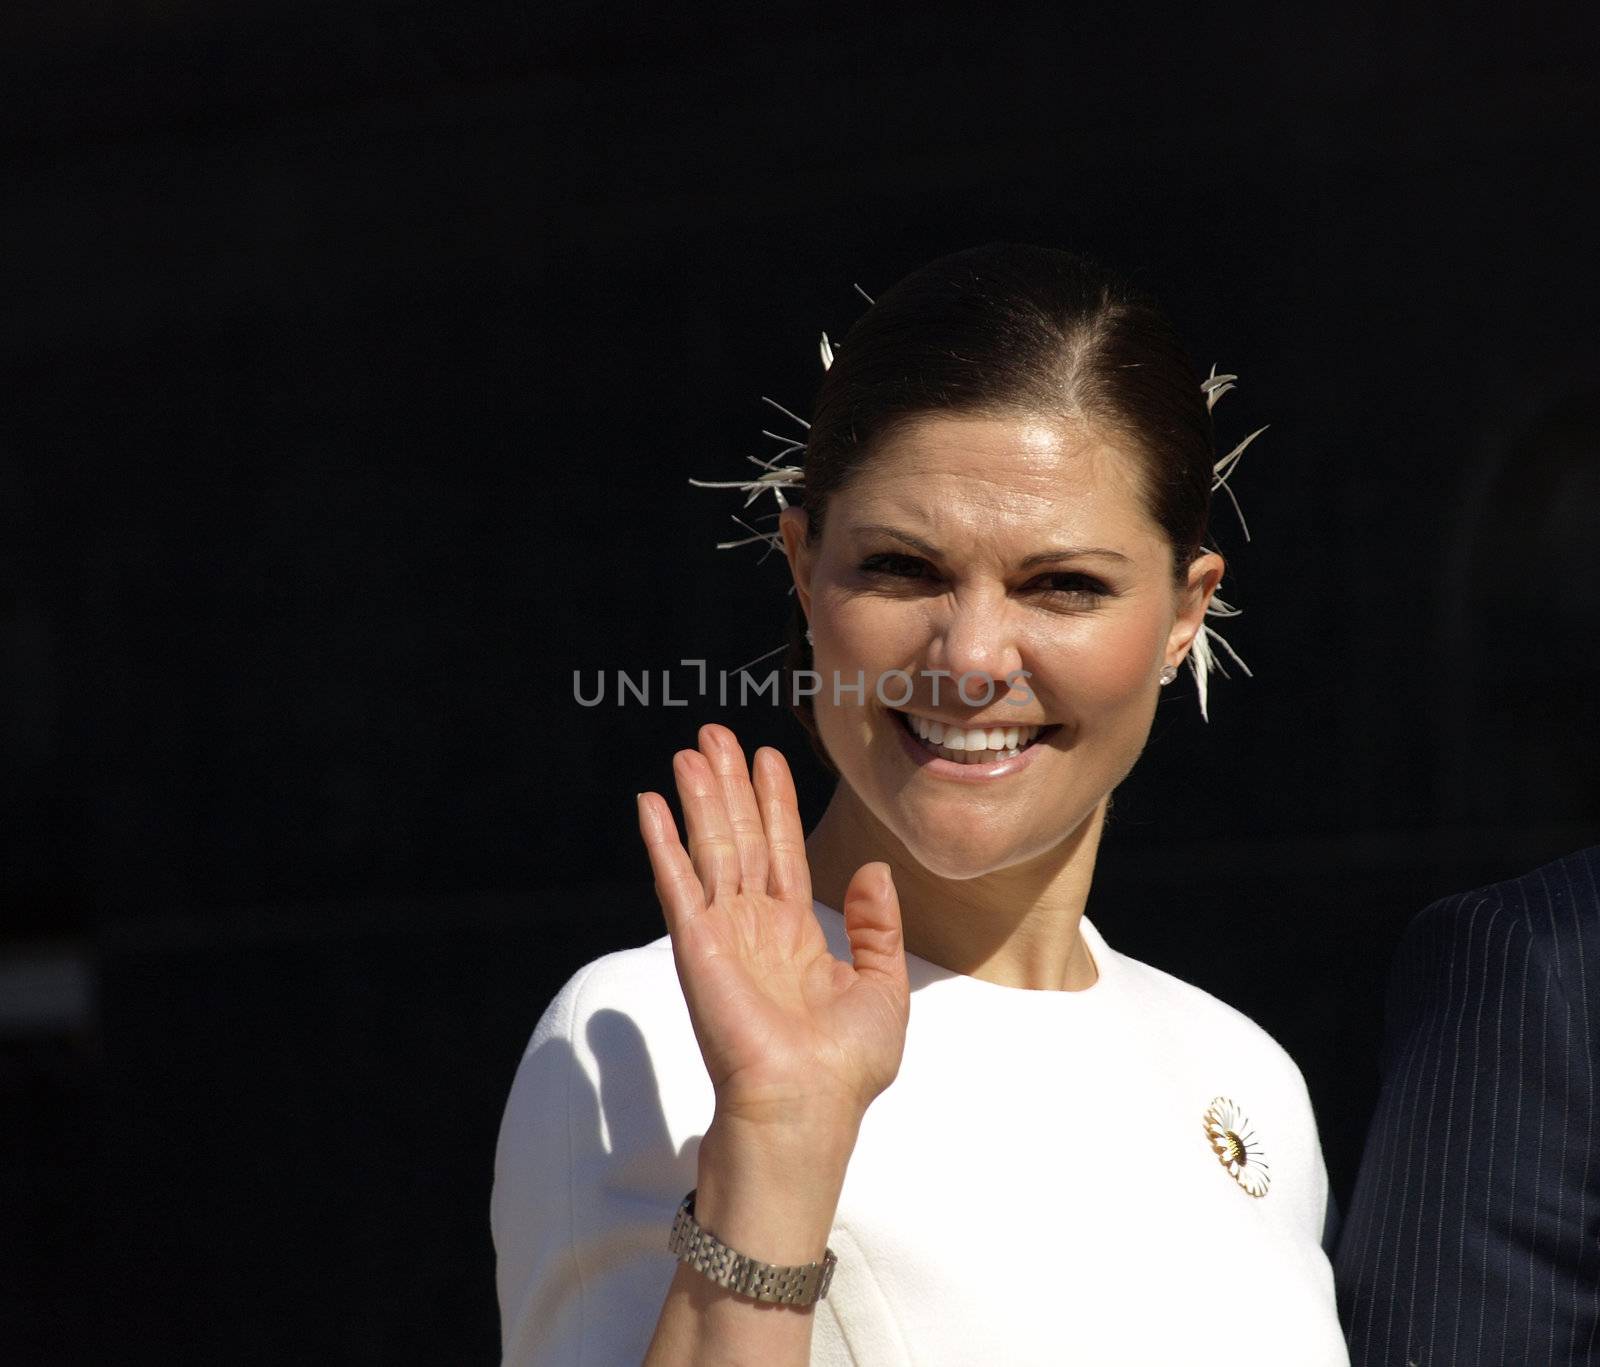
<point x="797" y="1042"/>
<point x="792" y="1037"/>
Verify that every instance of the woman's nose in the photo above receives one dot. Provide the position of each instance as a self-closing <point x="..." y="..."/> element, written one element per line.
<point x="976" y="638"/>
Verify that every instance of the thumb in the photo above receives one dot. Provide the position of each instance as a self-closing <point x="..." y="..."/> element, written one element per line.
<point x="872" y="921"/>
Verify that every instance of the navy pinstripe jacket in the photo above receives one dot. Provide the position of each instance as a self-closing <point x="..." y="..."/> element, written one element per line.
<point x="1474" y="1233"/>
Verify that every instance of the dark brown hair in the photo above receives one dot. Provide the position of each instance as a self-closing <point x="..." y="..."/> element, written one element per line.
<point x="1010" y="329"/>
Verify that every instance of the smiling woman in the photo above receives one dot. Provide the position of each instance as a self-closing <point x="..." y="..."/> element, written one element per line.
<point x="922" y="1111"/>
<point x="930" y="562"/>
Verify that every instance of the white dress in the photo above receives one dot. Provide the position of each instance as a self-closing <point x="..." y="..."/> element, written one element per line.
<point x="1036" y="1186"/>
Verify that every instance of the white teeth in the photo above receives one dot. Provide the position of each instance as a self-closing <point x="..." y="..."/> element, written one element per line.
<point x="972" y="745"/>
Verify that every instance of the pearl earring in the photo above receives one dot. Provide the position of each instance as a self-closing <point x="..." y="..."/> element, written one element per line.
<point x="1168" y="674"/>
<point x="808" y="635"/>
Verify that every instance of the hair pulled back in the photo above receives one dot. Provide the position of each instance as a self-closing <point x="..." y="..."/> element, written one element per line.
<point x="1011" y="330"/>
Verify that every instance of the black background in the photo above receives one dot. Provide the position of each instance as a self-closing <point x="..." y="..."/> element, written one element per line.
<point x="356" y="358"/>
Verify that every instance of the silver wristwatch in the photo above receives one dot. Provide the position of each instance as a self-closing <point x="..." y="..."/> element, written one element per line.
<point x="706" y="1253"/>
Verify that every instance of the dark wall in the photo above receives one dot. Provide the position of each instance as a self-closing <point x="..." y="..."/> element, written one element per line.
<point x="355" y="361"/>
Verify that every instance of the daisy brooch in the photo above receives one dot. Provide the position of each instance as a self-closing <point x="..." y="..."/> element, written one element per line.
<point x="1234" y="1143"/>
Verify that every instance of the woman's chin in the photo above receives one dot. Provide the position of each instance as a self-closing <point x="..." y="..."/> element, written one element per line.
<point x="959" y="840"/>
<point x="958" y="852"/>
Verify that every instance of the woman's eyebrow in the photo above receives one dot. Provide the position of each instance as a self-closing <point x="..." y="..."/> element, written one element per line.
<point x="1075" y="553"/>
<point x="879" y="529"/>
<point x="1038" y="558"/>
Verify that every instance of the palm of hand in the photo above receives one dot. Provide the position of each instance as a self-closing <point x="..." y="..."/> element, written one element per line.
<point x="786" y="1029"/>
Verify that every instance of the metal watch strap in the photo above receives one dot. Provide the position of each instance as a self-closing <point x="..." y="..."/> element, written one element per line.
<point x="706" y="1253"/>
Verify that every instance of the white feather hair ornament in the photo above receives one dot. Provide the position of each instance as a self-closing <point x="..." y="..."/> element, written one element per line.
<point x="1203" y="657"/>
<point x="775" y="478"/>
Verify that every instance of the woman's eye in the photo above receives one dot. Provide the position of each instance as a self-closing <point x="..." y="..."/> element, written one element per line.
<point x="1064" y="586"/>
<point x="1072" y="585"/>
<point x="897" y="566"/>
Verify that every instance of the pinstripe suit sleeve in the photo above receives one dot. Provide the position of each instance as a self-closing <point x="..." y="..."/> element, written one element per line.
<point x="1474" y="1233"/>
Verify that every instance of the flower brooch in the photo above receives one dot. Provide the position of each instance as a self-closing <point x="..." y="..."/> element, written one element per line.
<point x="1234" y="1143"/>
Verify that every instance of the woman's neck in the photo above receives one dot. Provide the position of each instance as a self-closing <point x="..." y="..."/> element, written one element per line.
<point x="1016" y="926"/>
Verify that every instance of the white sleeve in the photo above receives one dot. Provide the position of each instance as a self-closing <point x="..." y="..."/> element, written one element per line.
<point x="580" y="1213"/>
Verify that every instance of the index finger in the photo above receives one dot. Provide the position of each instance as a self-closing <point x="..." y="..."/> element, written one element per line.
<point x="788" y="872"/>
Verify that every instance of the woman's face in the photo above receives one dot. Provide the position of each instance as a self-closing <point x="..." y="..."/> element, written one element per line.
<point x="967" y="550"/>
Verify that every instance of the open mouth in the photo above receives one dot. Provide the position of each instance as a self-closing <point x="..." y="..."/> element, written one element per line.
<point x="972" y="744"/>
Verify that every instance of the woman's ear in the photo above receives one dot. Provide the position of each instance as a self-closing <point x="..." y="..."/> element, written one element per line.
<point x="1205" y="573"/>
<point x="794" y="526"/>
